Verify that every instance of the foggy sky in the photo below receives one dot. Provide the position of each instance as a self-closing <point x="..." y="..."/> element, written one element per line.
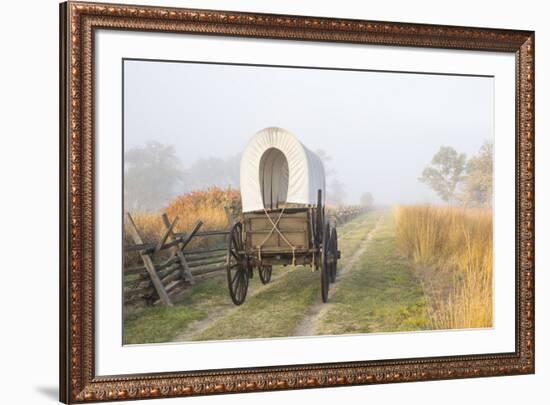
<point x="381" y="129"/>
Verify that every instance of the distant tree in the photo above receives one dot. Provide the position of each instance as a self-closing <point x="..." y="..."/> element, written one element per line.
<point x="445" y="173"/>
<point x="478" y="181"/>
<point x="150" y="176"/>
<point x="336" y="193"/>
<point x="213" y="171"/>
<point x="326" y="159"/>
<point x="366" y="200"/>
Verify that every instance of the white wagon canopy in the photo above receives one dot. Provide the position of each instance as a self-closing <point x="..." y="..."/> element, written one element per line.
<point x="277" y="169"/>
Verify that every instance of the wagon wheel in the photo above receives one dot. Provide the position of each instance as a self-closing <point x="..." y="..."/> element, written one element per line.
<point x="265" y="273"/>
<point x="334" y="254"/>
<point x="237" y="265"/>
<point x="325" y="267"/>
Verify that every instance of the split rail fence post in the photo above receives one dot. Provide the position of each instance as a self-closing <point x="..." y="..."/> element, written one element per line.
<point x="186" y="273"/>
<point x="148" y="262"/>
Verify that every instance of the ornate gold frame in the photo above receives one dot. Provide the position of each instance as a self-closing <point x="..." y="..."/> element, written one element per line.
<point x="78" y="382"/>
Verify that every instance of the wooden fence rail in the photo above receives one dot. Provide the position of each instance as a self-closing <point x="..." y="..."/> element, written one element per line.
<point x="169" y="266"/>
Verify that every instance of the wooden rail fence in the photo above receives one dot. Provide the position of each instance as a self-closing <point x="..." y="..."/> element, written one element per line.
<point x="339" y="216"/>
<point x="169" y="265"/>
<point x="159" y="280"/>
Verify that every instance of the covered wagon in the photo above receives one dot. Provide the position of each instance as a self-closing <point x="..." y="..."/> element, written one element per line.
<point x="283" y="222"/>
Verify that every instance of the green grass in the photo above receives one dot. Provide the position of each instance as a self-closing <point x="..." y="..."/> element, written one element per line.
<point x="379" y="294"/>
<point x="205" y="299"/>
<point x="274" y="312"/>
<point x="352" y="234"/>
<point x="162" y="324"/>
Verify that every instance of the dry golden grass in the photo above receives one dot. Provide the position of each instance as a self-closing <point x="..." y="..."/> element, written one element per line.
<point x="453" y="250"/>
<point x="149" y="225"/>
<point x="204" y="205"/>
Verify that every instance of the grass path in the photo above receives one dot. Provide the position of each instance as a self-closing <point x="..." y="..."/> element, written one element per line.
<point x="278" y="309"/>
<point x="309" y="322"/>
<point x="380" y="293"/>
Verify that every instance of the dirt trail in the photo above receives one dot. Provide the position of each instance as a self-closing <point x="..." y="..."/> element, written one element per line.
<point x="315" y="312"/>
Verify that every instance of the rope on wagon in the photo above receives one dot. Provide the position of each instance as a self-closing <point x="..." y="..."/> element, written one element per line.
<point x="274" y="228"/>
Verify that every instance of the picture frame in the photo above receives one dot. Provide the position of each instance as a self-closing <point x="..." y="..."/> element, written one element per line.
<point x="79" y="381"/>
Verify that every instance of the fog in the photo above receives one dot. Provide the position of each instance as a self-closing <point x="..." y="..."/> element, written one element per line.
<point x="379" y="129"/>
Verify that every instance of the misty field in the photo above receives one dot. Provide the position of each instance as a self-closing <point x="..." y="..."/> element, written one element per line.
<point x="404" y="266"/>
<point x="408" y="269"/>
<point x="452" y="250"/>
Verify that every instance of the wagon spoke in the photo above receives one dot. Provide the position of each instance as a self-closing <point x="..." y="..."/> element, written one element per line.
<point x="245" y="287"/>
<point x="237" y="247"/>
<point x="240" y="287"/>
<point x="244" y="283"/>
<point x="235" y="286"/>
<point x="239" y="240"/>
<point x="235" y="279"/>
<point x="240" y="284"/>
